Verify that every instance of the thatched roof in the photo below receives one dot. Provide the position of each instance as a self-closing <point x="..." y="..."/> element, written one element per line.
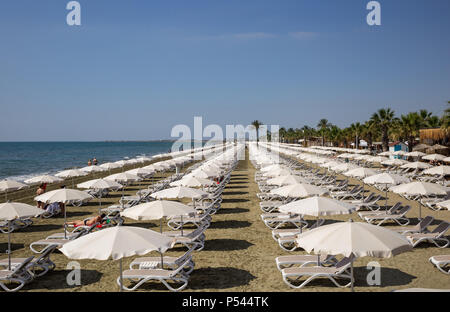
<point x="432" y="134"/>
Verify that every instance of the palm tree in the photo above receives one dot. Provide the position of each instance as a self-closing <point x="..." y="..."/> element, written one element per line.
<point x="323" y="126"/>
<point x="384" y="119"/>
<point x="282" y="134"/>
<point x="257" y="124"/>
<point x="369" y="131"/>
<point x="356" y="129"/>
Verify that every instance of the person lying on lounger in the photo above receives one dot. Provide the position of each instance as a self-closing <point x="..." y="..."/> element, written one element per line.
<point x="89" y="222"/>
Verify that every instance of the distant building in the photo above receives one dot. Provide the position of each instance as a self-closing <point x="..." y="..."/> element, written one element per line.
<point x="398" y="146"/>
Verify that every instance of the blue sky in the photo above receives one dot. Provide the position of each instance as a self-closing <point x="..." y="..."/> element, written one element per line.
<point x="136" y="68"/>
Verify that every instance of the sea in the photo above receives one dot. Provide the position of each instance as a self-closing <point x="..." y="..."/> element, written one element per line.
<point x="22" y="160"/>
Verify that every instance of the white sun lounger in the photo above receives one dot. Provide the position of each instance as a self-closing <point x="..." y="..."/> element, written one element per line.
<point x="441" y="262"/>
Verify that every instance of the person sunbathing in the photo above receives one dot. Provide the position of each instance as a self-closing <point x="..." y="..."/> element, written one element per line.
<point x="89" y="222"/>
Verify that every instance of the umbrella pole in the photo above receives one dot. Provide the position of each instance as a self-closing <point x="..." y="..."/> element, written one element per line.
<point x="65" y="223"/>
<point x="181" y="225"/>
<point x="121" y="275"/>
<point x="420" y="210"/>
<point x="9" y="245"/>
<point x="160" y="225"/>
<point x="351" y="272"/>
<point x="162" y="261"/>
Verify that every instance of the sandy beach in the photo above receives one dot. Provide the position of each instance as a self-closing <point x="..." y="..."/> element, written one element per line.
<point x="239" y="253"/>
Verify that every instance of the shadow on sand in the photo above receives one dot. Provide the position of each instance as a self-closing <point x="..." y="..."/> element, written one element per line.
<point x="226" y="244"/>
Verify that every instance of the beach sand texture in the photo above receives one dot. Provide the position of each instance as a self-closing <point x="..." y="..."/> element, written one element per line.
<point x="239" y="253"/>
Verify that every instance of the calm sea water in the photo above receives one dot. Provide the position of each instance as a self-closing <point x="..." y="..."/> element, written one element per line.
<point x="22" y="160"/>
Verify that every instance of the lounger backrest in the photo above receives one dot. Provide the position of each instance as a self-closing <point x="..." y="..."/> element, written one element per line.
<point x="403" y="210"/>
<point x="46" y="253"/>
<point x="22" y="266"/>
<point x="343" y="263"/>
<point x="394" y="208"/>
<point x="425" y="222"/>
<point x="441" y="228"/>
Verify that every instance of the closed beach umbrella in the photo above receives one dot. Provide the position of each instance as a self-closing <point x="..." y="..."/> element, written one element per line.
<point x="299" y="190"/>
<point x="116" y="243"/>
<point x="11" y="185"/>
<point x="420" y="189"/>
<point x="157" y="210"/>
<point x="65" y="196"/>
<point x="11" y="211"/>
<point x="353" y="239"/>
<point x="43" y="179"/>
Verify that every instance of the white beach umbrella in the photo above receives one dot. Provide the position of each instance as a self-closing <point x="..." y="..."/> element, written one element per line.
<point x="123" y="177"/>
<point x="386" y="179"/>
<point x="446" y="159"/>
<point x="416" y="165"/>
<point x="399" y="153"/>
<point x="192" y="181"/>
<point x="116" y="243"/>
<point x="43" y="179"/>
<point x="286" y="180"/>
<point x="353" y="239"/>
<point x="71" y="173"/>
<point x="157" y="210"/>
<point x="387" y="153"/>
<point x="11" y="185"/>
<point x="299" y="190"/>
<point x="99" y="184"/>
<point x="204" y="173"/>
<point x="142" y="172"/>
<point x="444" y="204"/>
<point x="419" y="189"/>
<point x="415" y="154"/>
<point x="278" y="172"/>
<point x="377" y="159"/>
<point x="11" y="211"/>
<point x="93" y="168"/>
<point x="272" y="167"/>
<point x="179" y="192"/>
<point x="344" y="167"/>
<point x="65" y="196"/>
<point x="440" y="170"/>
<point x="394" y="162"/>
<point x="434" y="157"/>
<point x="110" y="165"/>
<point x="360" y="173"/>
<point x="318" y="206"/>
